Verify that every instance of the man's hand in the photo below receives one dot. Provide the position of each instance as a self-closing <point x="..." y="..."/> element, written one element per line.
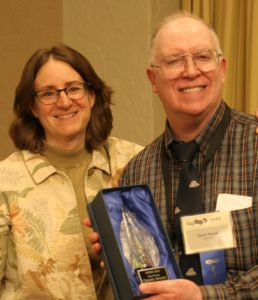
<point x="180" y="289"/>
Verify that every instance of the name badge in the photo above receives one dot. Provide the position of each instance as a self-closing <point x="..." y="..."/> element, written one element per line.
<point x="229" y="202"/>
<point x="207" y="232"/>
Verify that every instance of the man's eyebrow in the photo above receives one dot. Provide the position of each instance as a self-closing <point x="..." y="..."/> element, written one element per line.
<point x="185" y="53"/>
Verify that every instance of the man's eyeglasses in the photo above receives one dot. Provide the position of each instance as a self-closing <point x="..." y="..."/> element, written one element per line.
<point x="204" y="60"/>
<point x="50" y="96"/>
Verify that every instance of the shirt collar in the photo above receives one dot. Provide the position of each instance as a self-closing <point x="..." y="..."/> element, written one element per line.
<point x="40" y="168"/>
<point x="101" y="160"/>
<point x="203" y="138"/>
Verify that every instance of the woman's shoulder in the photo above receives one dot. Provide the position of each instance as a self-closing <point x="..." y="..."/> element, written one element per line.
<point x="12" y="158"/>
<point x="22" y="161"/>
<point x="120" y="147"/>
<point x="19" y="157"/>
<point x="120" y="152"/>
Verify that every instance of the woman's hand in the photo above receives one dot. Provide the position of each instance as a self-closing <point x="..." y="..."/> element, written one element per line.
<point x="94" y="239"/>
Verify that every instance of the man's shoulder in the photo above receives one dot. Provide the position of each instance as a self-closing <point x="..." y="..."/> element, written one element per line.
<point x="243" y="128"/>
<point x="243" y="119"/>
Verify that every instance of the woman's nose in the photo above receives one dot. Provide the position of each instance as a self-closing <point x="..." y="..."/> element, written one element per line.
<point x="63" y="100"/>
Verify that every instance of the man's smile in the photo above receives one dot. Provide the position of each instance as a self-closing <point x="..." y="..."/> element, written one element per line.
<point x="192" y="89"/>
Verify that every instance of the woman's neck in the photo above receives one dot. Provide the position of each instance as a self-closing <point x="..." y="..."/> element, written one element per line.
<point x="67" y="144"/>
<point x="65" y="158"/>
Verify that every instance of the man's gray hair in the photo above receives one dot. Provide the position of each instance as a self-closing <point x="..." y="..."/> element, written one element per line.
<point x="178" y="15"/>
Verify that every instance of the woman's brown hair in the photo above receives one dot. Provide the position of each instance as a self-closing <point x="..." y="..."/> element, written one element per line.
<point x="26" y="130"/>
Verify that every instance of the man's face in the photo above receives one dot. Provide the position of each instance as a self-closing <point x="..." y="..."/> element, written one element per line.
<point x="193" y="92"/>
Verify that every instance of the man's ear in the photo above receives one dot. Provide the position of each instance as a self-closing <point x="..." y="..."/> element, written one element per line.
<point x="152" y="78"/>
<point x="223" y="68"/>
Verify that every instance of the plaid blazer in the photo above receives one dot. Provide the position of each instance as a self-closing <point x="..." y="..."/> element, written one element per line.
<point x="233" y="170"/>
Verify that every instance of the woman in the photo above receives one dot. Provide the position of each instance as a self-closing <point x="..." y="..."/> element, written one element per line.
<point x="65" y="155"/>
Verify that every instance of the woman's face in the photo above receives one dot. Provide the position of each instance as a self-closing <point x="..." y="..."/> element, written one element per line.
<point x="65" y="121"/>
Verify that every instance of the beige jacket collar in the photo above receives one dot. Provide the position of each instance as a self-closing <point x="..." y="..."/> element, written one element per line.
<point x="40" y="168"/>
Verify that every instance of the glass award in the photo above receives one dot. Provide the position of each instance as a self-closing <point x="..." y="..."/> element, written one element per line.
<point x="140" y="249"/>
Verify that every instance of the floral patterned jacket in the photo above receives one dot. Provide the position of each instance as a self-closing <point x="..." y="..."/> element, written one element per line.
<point x="42" y="249"/>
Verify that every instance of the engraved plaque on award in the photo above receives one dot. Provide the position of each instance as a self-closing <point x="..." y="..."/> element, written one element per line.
<point x="140" y="249"/>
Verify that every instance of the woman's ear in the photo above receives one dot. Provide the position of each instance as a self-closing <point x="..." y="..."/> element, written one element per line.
<point x="92" y="99"/>
<point x="34" y="112"/>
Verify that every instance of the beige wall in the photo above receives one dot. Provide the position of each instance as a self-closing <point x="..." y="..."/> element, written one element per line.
<point x="113" y="34"/>
<point x="24" y="26"/>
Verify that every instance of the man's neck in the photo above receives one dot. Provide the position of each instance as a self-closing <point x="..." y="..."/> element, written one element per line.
<point x="183" y="134"/>
<point x="187" y="128"/>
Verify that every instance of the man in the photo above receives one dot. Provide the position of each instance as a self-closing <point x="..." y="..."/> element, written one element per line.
<point x="187" y="71"/>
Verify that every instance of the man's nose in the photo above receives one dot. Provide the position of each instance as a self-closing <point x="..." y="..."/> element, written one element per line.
<point x="190" y="67"/>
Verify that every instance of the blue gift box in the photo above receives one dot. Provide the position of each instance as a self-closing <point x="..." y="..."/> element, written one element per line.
<point x="106" y="215"/>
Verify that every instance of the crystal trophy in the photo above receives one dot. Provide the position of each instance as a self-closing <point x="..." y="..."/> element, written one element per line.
<point x="140" y="249"/>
